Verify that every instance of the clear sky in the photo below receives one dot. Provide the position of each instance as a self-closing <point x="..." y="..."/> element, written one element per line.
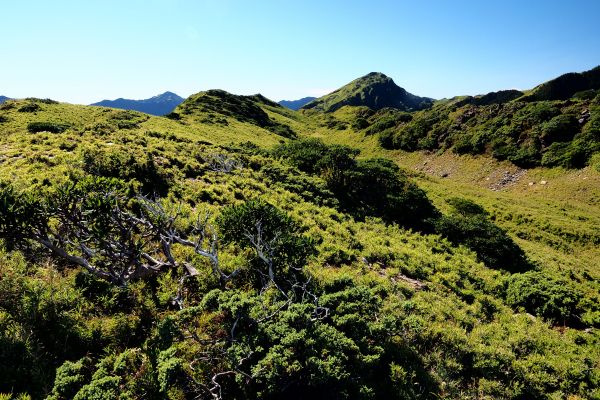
<point x="83" y="51"/>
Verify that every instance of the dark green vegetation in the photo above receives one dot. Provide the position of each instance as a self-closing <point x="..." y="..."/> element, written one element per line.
<point x="549" y="133"/>
<point x="573" y="84"/>
<point x="35" y="127"/>
<point x="206" y="255"/>
<point x="375" y="91"/>
<point x="370" y="187"/>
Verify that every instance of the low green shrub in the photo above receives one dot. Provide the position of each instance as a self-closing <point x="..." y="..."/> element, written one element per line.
<point x="469" y="224"/>
<point x="52" y="127"/>
<point x="536" y="292"/>
<point x="127" y="166"/>
<point x="29" y="108"/>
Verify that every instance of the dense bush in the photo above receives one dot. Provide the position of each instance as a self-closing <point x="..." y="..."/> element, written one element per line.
<point x="280" y="248"/>
<point x="371" y="187"/>
<point x="29" y="108"/>
<point x="288" y="352"/>
<point x="561" y="128"/>
<point x="468" y="224"/>
<point x="127" y="166"/>
<point x="378" y="187"/>
<point x="385" y="120"/>
<point x="536" y="292"/>
<point x="304" y="154"/>
<point x="51" y="127"/>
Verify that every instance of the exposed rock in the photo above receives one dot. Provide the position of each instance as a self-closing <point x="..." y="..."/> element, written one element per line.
<point x="508" y="179"/>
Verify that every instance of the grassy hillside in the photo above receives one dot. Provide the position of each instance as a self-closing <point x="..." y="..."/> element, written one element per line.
<point x="343" y="280"/>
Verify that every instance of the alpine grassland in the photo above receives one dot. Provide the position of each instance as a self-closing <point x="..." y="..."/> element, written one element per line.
<point x="359" y="248"/>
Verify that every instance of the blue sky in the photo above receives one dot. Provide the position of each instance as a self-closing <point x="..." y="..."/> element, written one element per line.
<point x="84" y="51"/>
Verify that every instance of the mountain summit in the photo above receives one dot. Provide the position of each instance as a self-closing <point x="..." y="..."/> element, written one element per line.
<point x="375" y="91"/>
<point x="158" y="105"/>
<point x="3" y="99"/>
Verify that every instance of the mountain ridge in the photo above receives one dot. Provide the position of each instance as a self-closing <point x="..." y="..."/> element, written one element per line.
<point x="297" y="104"/>
<point x="565" y="86"/>
<point x="161" y="104"/>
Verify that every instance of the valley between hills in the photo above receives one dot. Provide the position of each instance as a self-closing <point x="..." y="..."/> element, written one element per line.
<point x="371" y="244"/>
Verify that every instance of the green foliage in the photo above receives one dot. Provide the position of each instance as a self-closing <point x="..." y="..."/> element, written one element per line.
<point x="70" y="378"/>
<point x="549" y="133"/>
<point x="378" y="311"/>
<point x="470" y="226"/>
<point x="127" y="166"/>
<point x="387" y="120"/>
<point x="561" y="128"/>
<point x="290" y="352"/>
<point x="101" y="389"/>
<point x="371" y="187"/>
<point x="127" y="119"/>
<point x="51" y="127"/>
<point x="311" y="188"/>
<point x="29" y="108"/>
<point x="378" y="187"/>
<point x="303" y="154"/>
<point x="275" y="238"/>
<point x="554" y="300"/>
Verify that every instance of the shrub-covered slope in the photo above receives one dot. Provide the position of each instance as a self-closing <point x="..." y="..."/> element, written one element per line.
<point x="149" y="258"/>
<point x="554" y="124"/>
<point x="549" y="133"/>
<point x="375" y="91"/>
<point x="565" y="86"/>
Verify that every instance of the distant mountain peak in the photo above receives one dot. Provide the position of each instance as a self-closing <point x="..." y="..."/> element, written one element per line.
<point x="167" y="95"/>
<point x="296" y="104"/>
<point x="374" y="90"/>
<point x="161" y="104"/>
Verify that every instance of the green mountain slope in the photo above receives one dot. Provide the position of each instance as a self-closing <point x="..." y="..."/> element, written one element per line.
<point x="375" y="91"/>
<point x="504" y="125"/>
<point x="567" y="85"/>
<point x="339" y="274"/>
